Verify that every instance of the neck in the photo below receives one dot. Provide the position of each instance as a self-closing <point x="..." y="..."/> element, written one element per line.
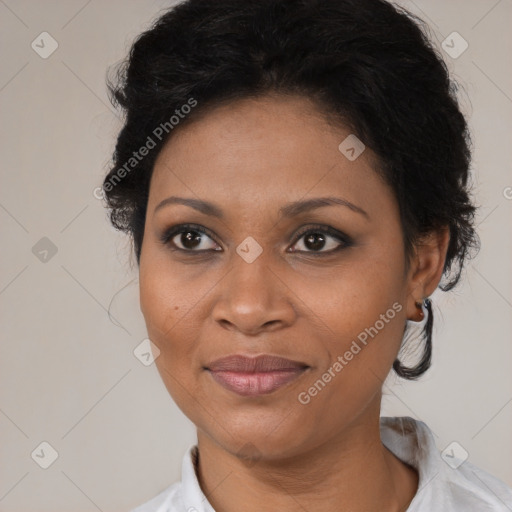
<point x="353" y="470"/>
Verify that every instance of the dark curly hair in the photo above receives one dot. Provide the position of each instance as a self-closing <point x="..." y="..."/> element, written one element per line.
<point x="366" y="64"/>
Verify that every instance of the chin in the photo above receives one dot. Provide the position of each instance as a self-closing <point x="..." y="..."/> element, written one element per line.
<point x="255" y="437"/>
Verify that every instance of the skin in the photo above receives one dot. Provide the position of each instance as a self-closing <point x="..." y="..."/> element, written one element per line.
<point x="250" y="158"/>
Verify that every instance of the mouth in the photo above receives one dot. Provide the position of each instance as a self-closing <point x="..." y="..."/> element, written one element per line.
<point x="253" y="376"/>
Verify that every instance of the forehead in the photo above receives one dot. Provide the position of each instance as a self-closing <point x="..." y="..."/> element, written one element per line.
<point x="264" y="152"/>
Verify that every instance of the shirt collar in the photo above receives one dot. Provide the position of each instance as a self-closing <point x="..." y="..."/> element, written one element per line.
<point x="193" y="497"/>
<point x="413" y="443"/>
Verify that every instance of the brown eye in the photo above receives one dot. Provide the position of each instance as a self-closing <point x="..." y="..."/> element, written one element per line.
<point x="189" y="239"/>
<point x="321" y="240"/>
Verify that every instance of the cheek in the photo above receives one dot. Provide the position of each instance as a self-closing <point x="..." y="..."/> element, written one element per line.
<point x="168" y="310"/>
<point x="362" y="311"/>
<point x="354" y="294"/>
<point x="367" y="336"/>
<point x="166" y="296"/>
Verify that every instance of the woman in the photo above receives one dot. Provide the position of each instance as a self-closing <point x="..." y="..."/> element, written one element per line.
<point x="294" y="174"/>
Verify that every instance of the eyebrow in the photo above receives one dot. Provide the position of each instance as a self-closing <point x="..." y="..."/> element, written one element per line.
<point x="288" y="210"/>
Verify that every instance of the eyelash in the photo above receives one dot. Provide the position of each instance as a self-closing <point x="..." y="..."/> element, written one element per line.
<point x="169" y="234"/>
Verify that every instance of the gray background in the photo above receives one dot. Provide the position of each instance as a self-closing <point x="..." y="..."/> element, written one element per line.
<point x="68" y="374"/>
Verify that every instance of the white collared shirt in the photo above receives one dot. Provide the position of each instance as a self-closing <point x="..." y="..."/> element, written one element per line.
<point x="442" y="487"/>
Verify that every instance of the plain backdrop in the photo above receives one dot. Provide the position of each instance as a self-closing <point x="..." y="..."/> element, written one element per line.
<point x="68" y="373"/>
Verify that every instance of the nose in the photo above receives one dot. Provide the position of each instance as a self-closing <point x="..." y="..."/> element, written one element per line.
<point x="253" y="298"/>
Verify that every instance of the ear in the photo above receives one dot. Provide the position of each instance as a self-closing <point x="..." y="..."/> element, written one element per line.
<point x="426" y="269"/>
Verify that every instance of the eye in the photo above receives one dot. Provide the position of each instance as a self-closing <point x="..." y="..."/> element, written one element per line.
<point x="192" y="238"/>
<point x="189" y="238"/>
<point x="315" y="240"/>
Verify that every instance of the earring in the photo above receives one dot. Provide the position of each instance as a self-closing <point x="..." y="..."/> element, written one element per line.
<point x="424" y="363"/>
<point x="419" y="305"/>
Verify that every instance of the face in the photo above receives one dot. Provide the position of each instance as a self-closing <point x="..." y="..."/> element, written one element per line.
<point x="319" y="285"/>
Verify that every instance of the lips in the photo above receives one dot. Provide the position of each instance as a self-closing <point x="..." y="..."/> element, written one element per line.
<point x="262" y="363"/>
<point x="252" y="376"/>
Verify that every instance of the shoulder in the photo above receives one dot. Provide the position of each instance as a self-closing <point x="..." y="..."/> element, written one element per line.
<point x="466" y="488"/>
<point x="472" y="488"/>
<point x="446" y="482"/>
